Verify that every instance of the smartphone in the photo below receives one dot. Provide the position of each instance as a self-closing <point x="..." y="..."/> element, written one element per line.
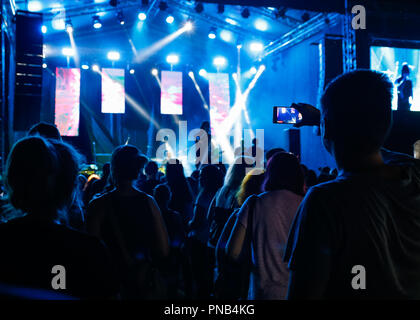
<point x="286" y="115"/>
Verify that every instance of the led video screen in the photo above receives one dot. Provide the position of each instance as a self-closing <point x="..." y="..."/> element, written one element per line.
<point x="171" y="93"/>
<point x="402" y="67"/>
<point x="67" y="101"/>
<point x="219" y="98"/>
<point x="113" y="92"/>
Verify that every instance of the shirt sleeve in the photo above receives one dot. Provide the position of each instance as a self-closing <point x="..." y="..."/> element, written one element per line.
<point x="312" y="238"/>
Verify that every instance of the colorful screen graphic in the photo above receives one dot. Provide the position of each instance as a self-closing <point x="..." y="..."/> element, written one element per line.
<point x="219" y="98"/>
<point x="171" y="93"/>
<point x="113" y="93"/>
<point x="390" y="61"/>
<point x="67" y="101"/>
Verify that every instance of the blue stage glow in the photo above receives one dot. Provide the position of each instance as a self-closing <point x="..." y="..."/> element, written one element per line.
<point x="68" y="51"/>
<point x="170" y="19"/>
<point x="142" y="16"/>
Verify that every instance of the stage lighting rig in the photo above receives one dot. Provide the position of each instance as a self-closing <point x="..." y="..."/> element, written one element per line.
<point x="220" y="8"/>
<point x="163" y="5"/>
<point x="199" y="7"/>
<point x="96" y="22"/>
<point x="113" y="3"/>
<point x="69" y="26"/>
<point x="120" y="17"/>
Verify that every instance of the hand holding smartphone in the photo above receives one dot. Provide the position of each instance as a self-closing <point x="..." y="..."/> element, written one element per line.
<point x="286" y="115"/>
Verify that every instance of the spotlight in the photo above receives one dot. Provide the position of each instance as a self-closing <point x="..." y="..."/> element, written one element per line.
<point x="96" y="22"/>
<point x="172" y="59"/>
<point x="253" y="70"/>
<point x="44" y="65"/>
<point x="239" y="46"/>
<point x="120" y="17"/>
<point x="69" y="26"/>
<point x="131" y="71"/>
<point x="142" y="16"/>
<point x="188" y="25"/>
<point x="85" y="67"/>
<point x="44" y="29"/>
<point x="155" y="72"/>
<point x="170" y="19"/>
<point x="34" y="6"/>
<point x="245" y="13"/>
<point x="220" y="8"/>
<point x="261" y="25"/>
<point x="68" y="52"/>
<point x="256" y="47"/>
<point x="199" y="7"/>
<point x="226" y="35"/>
<point x="202" y="72"/>
<point x="191" y="74"/>
<point x="163" y="5"/>
<point x="219" y="61"/>
<point x="95" y="68"/>
<point x="113" y="55"/>
<point x="231" y="21"/>
<point x="212" y="33"/>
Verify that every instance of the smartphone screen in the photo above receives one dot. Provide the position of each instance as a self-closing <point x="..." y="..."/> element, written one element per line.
<point x="286" y="115"/>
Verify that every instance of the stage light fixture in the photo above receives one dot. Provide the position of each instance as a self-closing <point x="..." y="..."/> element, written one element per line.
<point x="245" y="13"/>
<point x="212" y="33"/>
<point x="172" y="59"/>
<point x="202" y="72"/>
<point x="220" y="8"/>
<point x="142" y="16"/>
<point x="199" y="7"/>
<point x="155" y="72"/>
<point x="113" y="55"/>
<point x="188" y="25"/>
<point x="239" y="46"/>
<point x="44" y="65"/>
<point x="68" y="51"/>
<point x="256" y="46"/>
<point x="219" y="61"/>
<point x="132" y="71"/>
<point x="34" y="6"/>
<point x="253" y="70"/>
<point x="226" y="35"/>
<point x="191" y="74"/>
<point x="69" y="26"/>
<point x="96" y="22"/>
<point x="85" y="67"/>
<point x="163" y="5"/>
<point x="261" y="25"/>
<point x="44" y="29"/>
<point x="170" y="19"/>
<point x="231" y="21"/>
<point x="95" y="68"/>
<point x="120" y="17"/>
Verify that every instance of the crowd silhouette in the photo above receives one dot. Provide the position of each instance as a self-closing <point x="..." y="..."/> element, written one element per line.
<point x="141" y="231"/>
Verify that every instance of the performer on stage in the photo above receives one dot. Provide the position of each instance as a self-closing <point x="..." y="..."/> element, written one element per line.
<point x="405" y="89"/>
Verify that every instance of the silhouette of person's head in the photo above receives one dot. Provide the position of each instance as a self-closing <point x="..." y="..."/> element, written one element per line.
<point x="46" y="130"/>
<point x="250" y="185"/>
<point x="272" y="152"/>
<point x="237" y="171"/>
<point x="151" y="169"/>
<point x="284" y="173"/>
<point x="356" y="114"/>
<point x="162" y="195"/>
<point x="210" y="178"/>
<point x="45" y="183"/>
<point x="405" y="70"/>
<point x="126" y="164"/>
<point x="205" y="125"/>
